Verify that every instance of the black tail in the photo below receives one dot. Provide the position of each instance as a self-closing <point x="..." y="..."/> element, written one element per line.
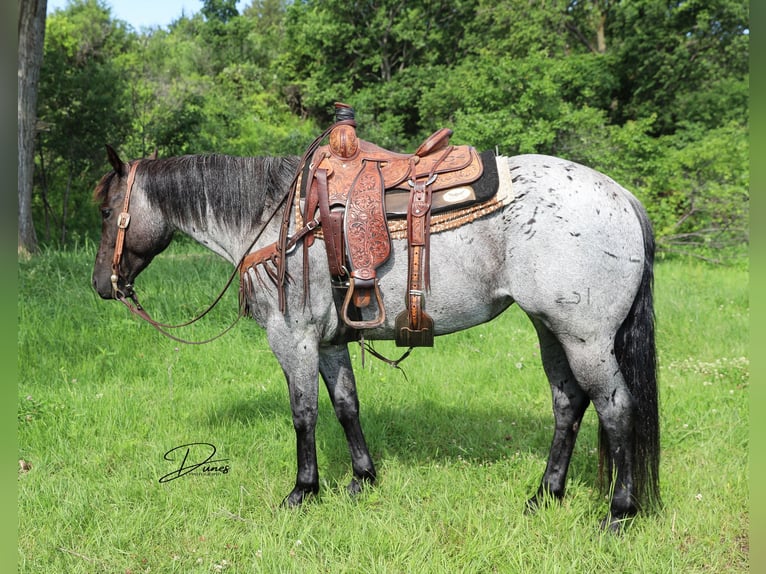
<point x="637" y="357"/>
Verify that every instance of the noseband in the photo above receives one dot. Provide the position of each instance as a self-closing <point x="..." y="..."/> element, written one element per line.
<point x="123" y="220"/>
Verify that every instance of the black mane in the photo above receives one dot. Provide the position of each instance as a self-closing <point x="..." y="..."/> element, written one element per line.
<point x="234" y="189"/>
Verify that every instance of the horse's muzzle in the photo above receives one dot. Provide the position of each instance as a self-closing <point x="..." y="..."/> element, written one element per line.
<point x="103" y="288"/>
<point x="108" y="289"/>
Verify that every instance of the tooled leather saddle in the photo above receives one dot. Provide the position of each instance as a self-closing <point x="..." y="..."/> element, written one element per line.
<point x="350" y="188"/>
<point x="347" y="183"/>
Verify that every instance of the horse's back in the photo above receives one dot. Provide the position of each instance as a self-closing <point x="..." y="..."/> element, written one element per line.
<point x="575" y="244"/>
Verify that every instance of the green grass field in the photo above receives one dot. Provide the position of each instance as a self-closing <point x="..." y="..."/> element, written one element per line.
<point x="459" y="448"/>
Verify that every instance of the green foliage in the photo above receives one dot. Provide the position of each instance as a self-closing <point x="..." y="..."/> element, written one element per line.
<point x="83" y="104"/>
<point x="701" y="192"/>
<point x="684" y="62"/>
<point x="652" y="93"/>
<point x="513" y="29"/>
<point x="523" y="106"/>
<point x="337" y="48"/>
<point x="220" y="10"/>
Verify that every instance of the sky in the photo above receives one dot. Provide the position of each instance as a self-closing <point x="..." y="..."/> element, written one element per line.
<point x="148" y="13"/>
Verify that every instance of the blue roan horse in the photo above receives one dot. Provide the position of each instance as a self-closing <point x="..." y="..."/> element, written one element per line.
<point x="572" y="248"/>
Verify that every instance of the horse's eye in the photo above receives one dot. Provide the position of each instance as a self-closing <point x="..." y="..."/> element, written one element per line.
<point x="106" y="212"/>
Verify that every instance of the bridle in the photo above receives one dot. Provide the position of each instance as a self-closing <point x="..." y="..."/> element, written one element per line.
<point x="123" y="220"/>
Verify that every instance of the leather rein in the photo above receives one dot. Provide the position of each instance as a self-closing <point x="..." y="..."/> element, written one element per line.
<point x="284" y="245"/>
<point x="123" y="220"/>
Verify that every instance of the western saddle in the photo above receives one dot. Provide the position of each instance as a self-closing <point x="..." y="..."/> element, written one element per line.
<point x="343" y="187"/>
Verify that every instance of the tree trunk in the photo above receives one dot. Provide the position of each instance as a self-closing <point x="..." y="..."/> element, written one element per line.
<point x="65" y="207"/>
<point x="601" y="33"/>
<point x="31" y="40"/>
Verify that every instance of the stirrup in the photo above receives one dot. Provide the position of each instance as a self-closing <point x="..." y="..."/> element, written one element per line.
<point x="408" y="337"/>
<point x="371" y="323"/>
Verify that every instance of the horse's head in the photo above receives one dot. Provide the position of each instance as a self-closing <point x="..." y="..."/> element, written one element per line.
<point x="132" y="233"/>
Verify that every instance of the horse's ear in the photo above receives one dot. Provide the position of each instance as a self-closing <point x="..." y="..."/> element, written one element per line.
<point x="153" y="154"/>
<point x="114" y="160"/>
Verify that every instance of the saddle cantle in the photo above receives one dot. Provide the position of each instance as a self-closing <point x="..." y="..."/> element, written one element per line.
<point x="348" y="182"/>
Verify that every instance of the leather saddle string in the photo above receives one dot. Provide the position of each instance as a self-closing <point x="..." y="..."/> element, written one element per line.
<point x="286" y="216"/>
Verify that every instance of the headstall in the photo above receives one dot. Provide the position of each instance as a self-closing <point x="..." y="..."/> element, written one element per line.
<point x="123" y="220"/>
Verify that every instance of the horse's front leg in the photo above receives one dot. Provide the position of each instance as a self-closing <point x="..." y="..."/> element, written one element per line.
<point x="299" y="359"/>
<point x="338" y="375"/>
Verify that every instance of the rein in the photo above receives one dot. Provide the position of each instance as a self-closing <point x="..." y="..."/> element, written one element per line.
<point x="140" y="312"/>
<point x="135" y="307"/>
<point x="285" y="244"/>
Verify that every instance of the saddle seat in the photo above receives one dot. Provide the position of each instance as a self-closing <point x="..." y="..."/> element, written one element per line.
<point x="344" y="156"/>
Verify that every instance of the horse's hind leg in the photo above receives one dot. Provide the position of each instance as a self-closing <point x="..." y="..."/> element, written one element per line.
<point x="335" y="367"/>
<point x="569" y="405"/>
<point x="596" y="369"/>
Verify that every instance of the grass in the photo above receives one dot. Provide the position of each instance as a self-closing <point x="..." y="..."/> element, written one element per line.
<point x="459" y="447"/>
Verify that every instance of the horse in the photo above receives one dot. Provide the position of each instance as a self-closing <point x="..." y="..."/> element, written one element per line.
<point x="573" y="249"/>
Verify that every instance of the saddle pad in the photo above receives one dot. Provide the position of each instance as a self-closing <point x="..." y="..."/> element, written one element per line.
<point x="479" y="191"/>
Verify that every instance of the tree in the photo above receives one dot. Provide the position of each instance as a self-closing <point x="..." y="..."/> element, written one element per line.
<point x="85" y="103"/>
<point x="210" y="87"/>
<point x="513" y="29"/>
<point x="644" y="90"/>
<point x="687" y="62"/>
<point x="221" y="10"/>
<point x="700" y="191"/>
<point x="31" y="41"/>
<point x="588" y="22"/>
<point x="337" y="48"/>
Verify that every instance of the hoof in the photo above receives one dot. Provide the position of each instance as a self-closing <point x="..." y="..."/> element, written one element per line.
<point x="354" y="488"/>
<point x="616" y="524"/>
<point x="543" y="499"/>
<point x="298" y="497"/>
<point x="532" y="506"/>
<point x="357" y="485"/>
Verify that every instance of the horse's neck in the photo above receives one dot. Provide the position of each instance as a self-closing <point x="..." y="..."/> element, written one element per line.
<point x="215" y="240"/>
<point x="217" y="200"/>
<point x="225" y="239"/>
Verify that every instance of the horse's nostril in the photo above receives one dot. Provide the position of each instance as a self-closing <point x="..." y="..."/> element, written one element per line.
<point x="96" y="286"/>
